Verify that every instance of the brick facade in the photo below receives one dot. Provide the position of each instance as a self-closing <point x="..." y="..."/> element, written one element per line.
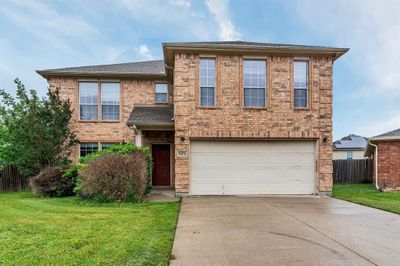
<point x="388" y="165"/>
<point x="230" y="120"/>
<point x="132" y="92"/>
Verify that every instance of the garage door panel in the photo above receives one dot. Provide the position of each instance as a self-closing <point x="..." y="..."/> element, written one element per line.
<point x="248" y="167"/>
<point x="250" y="160"/>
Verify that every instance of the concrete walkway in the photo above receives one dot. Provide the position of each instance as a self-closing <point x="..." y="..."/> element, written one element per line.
<point x="284" y="231"/>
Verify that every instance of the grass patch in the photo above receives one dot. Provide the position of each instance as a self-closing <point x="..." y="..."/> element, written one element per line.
<point x="71" y="231"/>
<point x="367" y="194"/>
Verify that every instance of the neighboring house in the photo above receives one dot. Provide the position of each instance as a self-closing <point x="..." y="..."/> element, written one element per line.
<point x="349" y="147"/>
<point x="221" y="118"/>
<point x="384" y="149"/>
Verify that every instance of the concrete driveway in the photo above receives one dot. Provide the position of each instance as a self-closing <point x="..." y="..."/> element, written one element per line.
<point x="284" y="231"/>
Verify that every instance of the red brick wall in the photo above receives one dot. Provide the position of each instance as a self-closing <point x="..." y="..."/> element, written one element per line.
<point x="229" y="119"/>
<point x="389" y="164"/>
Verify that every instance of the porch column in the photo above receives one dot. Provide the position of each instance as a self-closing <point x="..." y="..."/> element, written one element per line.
<point x="138" y="138"/>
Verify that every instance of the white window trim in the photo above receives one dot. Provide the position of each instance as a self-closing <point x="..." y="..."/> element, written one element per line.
<point x="155" y="92"/>
<point x="215" y="81"/>
<point x="307" y="60"/>
<point x="79" y="100"/>
<point x="266" y="82"/>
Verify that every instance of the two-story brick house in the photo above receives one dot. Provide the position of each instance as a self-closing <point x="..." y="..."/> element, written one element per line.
<point x="220" y="117"/>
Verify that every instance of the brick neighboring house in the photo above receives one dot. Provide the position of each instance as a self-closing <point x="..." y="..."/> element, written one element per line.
<point x="384" y="149"/>
<point x="220" y="117"/>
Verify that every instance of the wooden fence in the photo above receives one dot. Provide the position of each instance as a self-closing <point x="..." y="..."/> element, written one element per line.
<point x="352" y="171"/>
<point x="11" y="180"/>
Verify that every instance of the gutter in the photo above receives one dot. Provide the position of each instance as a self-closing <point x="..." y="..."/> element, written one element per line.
<point x="376" y="163"/>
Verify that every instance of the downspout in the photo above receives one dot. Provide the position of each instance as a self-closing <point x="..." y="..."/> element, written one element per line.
<point x="376" y="163"/>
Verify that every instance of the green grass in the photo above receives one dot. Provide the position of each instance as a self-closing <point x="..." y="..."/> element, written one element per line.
<point x="70" y="231"/>
<point x="366" y="194"/>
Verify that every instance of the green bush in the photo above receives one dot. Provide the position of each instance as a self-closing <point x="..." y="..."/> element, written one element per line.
<point x="124" y="149"/>
<point x="51" y="182"/>
<point x="115" y="177"/>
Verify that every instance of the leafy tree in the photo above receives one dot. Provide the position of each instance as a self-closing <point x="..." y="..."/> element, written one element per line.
<point x="34" y="131"/>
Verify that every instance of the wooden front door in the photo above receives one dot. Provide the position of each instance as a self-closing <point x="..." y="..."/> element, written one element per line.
<point x="161" y="164"/>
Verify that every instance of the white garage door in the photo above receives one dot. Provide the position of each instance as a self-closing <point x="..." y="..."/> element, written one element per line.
<point x="252" y="167"/>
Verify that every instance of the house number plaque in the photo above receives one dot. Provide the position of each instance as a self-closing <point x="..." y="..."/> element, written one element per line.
<point x="181" y="154"/>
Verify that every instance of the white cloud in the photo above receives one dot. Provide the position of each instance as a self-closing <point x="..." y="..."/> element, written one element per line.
<point x="220" y="10"/>
<point x="173" y="18"/>
<point x="381" y="126"/>
<point x="144" y="52"/>
<point x="371" y="30"/>
<point x="184" y="3"/>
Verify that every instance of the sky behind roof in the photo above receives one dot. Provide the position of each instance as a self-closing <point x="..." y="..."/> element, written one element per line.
<point x="51" y="34"/>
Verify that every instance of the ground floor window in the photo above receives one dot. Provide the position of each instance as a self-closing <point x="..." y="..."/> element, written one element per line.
<point x="106" y="145"/>
<point x="90" y="147"/>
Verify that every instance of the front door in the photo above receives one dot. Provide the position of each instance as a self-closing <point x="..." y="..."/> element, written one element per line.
<point x="161" y="164"/>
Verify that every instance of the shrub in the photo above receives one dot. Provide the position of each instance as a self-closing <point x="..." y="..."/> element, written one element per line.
<point x="116" y="177"/>
<point x="51" y="182"/>
<point x="122" y="148"/>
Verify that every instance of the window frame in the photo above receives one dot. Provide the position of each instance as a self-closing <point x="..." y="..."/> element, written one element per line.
<point x="98" y="143"/>
<point x="99" y="100"/>
<point x="87" y="142"/>
<point x="307" y="61"/>
<point x="349" y="157"/>
<point x="155" y="92"/>
<point x="265" y="60"/>
<point x="79" y="101"/>
<point x="214" y="58"/>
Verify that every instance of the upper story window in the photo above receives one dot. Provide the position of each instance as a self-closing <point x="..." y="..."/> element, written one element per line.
<point x="207" y="81"/>
<point x="254" y="82"/>
<point x="110" y="99"/>
<point x="300" y="84"/>
<point x="88" y="100"/>
<point x="161" y="92"/>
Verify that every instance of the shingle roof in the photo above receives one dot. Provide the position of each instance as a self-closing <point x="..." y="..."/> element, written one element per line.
<point x="247" y="44"/>
<point x="152" y="116"/>
<point x="144" y="68"/>
<point x="350" y="142"/>
<point x="393" y="133"/>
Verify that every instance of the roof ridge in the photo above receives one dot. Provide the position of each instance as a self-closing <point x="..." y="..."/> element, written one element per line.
<point x="101" y="65"/>
<point x="387" y="133"/>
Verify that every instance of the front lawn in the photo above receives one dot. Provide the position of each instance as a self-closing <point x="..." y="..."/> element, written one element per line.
<point x="70" y="231"/>
<point x="366" y="194"/>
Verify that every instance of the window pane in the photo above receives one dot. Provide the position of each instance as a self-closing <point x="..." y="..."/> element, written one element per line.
<point x="349" y="155"/>
<point x="161" y="88"/>
<point x="300" y="83"/>
<point x="110" y="99"/>
<point x="207" y="78"/>
<point x="207" y="96"/>
<point x="161" y="97"/>
<point x="254" y="97"/>
<point x="88" y="112"/>
<point x="87" y="148"/>
<point x="254" y="81"/>
<point x="88" y="95"/>
<point x="161" y="92"/>
<point x="106" y="145"/>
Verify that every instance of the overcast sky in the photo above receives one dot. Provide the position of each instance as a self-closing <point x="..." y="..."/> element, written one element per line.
<point x="49" y="34"/>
